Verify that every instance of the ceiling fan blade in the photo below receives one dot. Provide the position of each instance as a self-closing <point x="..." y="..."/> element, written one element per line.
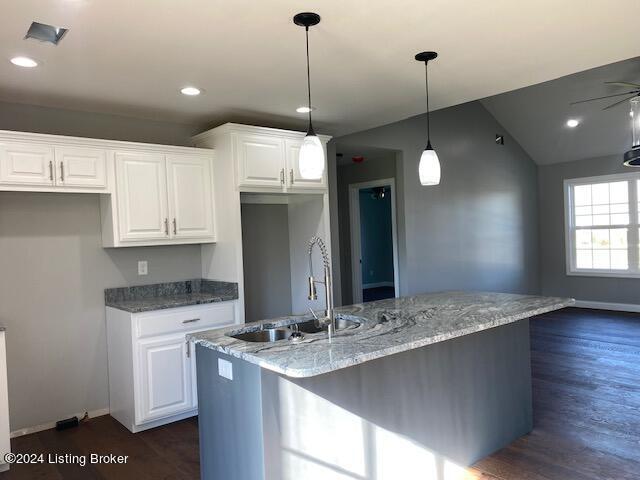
<point x="634" y="92"/>
<point x="618" y="103"/>
<point x="624" y="84"/>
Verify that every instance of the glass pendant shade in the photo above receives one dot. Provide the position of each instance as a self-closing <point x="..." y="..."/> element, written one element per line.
<point x="429" y="167"/>
<point x="311" y="158"/>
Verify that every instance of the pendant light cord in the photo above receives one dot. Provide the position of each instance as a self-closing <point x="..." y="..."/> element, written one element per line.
<point x="426" y="84"/>
<point x="308" y="80"/>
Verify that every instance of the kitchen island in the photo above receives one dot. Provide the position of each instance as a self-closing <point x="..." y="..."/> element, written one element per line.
<point x="415" y="387"/>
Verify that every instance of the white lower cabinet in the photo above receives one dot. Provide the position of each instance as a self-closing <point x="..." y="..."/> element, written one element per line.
<point x="152" y="367"/>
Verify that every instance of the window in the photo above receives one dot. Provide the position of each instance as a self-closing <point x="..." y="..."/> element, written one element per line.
<point x="603" y="225"/>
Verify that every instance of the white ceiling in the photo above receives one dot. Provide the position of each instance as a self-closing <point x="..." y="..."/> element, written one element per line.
<point x="131" y="56"/>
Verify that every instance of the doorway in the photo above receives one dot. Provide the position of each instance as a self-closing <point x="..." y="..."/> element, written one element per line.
<point x="374" y="244"/>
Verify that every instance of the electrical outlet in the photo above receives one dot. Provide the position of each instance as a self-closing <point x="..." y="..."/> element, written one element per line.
<point x="143" y="267"/>
<point x="225" y="369"/>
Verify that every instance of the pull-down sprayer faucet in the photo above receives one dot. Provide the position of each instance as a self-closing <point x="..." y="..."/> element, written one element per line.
<point x="313" y="295"/>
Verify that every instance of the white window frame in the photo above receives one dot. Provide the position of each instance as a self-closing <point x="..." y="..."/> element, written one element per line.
<point x="633" y="226"/>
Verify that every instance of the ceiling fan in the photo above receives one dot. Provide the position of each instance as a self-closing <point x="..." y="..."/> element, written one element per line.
<point x="635" y="92"/>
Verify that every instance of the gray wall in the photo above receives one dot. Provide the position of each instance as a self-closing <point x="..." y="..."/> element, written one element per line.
<point x="374" y="169"/>
<point x="478" y="229"/>
<point x="555" y="281"/>
<point x="54" y="270"/>
<point x="56" y="121"/>
<point x="267" y="266"/>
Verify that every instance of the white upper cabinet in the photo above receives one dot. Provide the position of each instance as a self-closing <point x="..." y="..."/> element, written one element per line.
<point x="294" y="179"/>
<point x="261" y="160"/>
<point x="26" y="164"/>
<point x="190" y="196"/>
<point x="81" y="167"/>
<point x="265" y="160"/>
<point x="142" y="196"/>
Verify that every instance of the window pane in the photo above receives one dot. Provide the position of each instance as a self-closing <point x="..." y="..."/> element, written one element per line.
<point x="620" y="219"/>
<point x="619" y="259"/>
<point x="583" y="259"/>
<point x="584" y="210"/>
<point x="618" y="238"/>
<point x="584" y="221"/>
<point x="601" y="259"/>
<point x="601" y="220"/>
<point x="619" y="192"/>
<point x="583" y="239"/>
<point x="582" y="195"/>
<point x="600" y="239"/>
<point x="600" y="193"/>
<point x="600" y="209"/>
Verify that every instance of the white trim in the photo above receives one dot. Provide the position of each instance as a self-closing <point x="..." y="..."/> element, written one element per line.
<point x="354" y="214"/>
<point x="632" y="226"/>
<point x="377" y="285"/>
<point x="47" y="426"/>
<point x="618" y="307"/>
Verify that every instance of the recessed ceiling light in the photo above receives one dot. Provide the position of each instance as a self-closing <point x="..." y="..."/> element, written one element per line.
<point x="191" y="91"/>
<point x="572" y="123"/>
<point x="305" y="109"/>
<point x="24" y="62"/>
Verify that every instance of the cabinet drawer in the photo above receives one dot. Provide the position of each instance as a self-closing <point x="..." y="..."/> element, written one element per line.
<point x="184" y="319"/>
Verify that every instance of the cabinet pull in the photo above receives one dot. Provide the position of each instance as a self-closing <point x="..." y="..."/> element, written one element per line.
<point x="291" y="176"/>
<point x="188" y="349"/>
<point x="166" y="226"/>
<point x="62" y="171"/>
<point x="50" y="170"/>
<point x="175" y="227"/>
<point x="282" y="176"/>
<point x="191" y="320"/>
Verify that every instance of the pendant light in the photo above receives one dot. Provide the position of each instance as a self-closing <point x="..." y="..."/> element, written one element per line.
<point x="311" y="157"/>
<point x="632" y="157"/>
<point x="429" y="166"/>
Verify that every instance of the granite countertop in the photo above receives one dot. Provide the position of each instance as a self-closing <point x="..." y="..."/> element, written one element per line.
<point x="159" y="296"/>
<point x="388" y="326"/>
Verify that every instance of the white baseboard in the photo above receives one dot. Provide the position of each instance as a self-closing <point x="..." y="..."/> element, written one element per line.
<point x="47" y="426"/>
<point x="378" y="284"/>
<point x="618" y="307"/>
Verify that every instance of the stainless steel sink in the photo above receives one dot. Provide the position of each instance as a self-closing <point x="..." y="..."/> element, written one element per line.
<point x="313" y="326"/>
<point x="264" y="336"/>
<point x="273" y="334"/>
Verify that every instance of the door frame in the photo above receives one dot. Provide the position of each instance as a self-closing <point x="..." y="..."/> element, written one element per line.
<point x="356" y="254"/>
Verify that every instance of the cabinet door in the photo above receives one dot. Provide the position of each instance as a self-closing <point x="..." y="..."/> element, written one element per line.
<point x="81" y="167"/>
<point x="261" y="161"/>
<point x="142" y="196"/>
<point x="165" y="373"/>
<point x="294" y="179"/>
<point x="190" y="196"/>
<point x="25" y="164"/>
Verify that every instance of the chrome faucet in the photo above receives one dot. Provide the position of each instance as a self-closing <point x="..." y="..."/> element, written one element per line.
<point x="313" y="294"/>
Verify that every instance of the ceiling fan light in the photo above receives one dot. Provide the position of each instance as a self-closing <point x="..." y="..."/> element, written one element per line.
<point x="429" y="168"/>
<point x="311" y="158"/>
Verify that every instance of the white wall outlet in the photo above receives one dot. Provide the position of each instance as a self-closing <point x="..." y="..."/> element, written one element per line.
<point x="143" y="267"/>
<point x="225" y="368"/>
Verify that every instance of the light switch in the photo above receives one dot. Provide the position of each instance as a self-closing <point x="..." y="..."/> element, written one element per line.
<point x="143" y="267"/>
<point x="225" y="368"/>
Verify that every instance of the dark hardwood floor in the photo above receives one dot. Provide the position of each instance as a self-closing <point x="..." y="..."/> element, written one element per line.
<point x="586" y="394"/>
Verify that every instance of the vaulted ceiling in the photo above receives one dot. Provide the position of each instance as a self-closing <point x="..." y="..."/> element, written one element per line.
<point x="536" y="116"/>
<point x="132" y="57"/>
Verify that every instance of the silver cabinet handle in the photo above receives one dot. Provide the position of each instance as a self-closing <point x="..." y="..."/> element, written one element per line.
<point x="175" y="227"/>
<point x="50" y="170"/>
<point x="291" y="176"/>
<point x="188" y="349"/>
<point x="192" y="320"/>
<point x="62" y="171"/>
<point x="166" y="226"/>
<point x="282" y="176"/>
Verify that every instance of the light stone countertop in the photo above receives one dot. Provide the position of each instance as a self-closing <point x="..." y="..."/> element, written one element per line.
<point x="388" y="326"/>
